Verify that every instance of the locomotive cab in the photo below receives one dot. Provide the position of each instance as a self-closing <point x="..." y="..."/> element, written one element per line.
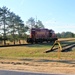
<point x="31" y="37"/>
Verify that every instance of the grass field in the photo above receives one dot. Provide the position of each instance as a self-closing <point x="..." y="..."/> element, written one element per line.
<point x="34" y="59"/>
<point x="36" y="51"/>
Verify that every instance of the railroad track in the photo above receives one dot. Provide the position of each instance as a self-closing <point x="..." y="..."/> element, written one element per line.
<point x="15" y="45"/>
<point x="65" y="48"/>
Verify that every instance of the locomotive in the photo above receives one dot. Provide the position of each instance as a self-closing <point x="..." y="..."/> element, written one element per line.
<point x="38" y="35"/>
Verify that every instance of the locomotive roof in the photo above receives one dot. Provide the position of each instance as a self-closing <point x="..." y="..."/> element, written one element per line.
<point x="41" y="29"/>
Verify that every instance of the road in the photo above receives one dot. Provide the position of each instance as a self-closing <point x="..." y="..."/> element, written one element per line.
<point x="5" y="72"/>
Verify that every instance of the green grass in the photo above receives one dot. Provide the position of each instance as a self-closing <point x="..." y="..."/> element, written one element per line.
<point x="33" y="51"/>
<point x="23" y="51"/>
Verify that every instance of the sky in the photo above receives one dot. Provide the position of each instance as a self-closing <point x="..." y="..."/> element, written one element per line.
<point x="58" y="15"/>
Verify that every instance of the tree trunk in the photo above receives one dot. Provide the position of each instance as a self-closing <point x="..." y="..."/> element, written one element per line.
<point x="19" y="41"/>
<point x="4" y="31"/>
<point x="14" y="42"/>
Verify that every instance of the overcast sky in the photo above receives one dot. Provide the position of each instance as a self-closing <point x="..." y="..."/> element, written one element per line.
<point x="58" y="15"/>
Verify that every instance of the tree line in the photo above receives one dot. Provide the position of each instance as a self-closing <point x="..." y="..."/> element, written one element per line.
<point x="12" y="27"/>
<point x="66" y="35"/>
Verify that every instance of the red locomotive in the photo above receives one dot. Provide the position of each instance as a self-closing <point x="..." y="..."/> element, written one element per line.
<point x="41" y="35"/>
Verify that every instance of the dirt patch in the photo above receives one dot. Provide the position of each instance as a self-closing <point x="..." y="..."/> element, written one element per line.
<point x="40" y="65"/>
